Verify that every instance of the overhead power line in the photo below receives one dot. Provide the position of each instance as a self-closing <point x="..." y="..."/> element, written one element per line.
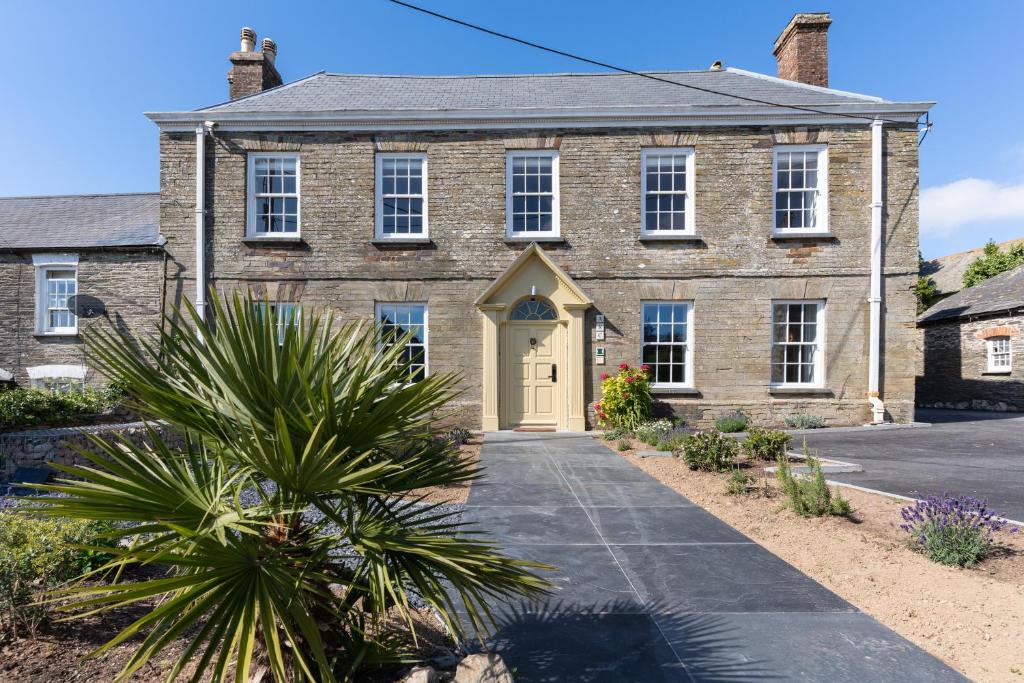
<point x="612" y="67"/>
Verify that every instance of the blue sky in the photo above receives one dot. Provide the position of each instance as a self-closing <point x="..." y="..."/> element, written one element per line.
<point x="79" y="75"/>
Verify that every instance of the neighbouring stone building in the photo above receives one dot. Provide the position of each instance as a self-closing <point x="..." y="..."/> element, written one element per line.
<point x="973" y="345"/>
<point x="537" y="231"/>
<point x="947" y="272"/>
<point x="67" y="263"/>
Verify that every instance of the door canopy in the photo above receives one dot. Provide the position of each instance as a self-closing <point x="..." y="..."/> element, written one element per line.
<point x="534" y="274"/>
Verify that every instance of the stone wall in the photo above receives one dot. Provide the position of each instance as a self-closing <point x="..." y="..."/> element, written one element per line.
<point x="127" y="282"/>
<point x="39" y="448"/>
<point x="731" y="275"/>
<point x="956" y="362"/>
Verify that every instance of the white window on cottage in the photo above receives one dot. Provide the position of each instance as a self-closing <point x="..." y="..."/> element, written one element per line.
<point x="396" y="320"/>
<point x="401" y="196"/>
<point x="800" y="185"/>
<point x="666" y="344"/>
<point x="531" y="194"/>
<point x="667" y="191"/>
<point x="798" y="343"/>
<point x="56" y="284"/>
<point x="273" y="194"/>
<point x="285" y="315"/>
<point x="1000" y="356"/>
<point x="57" y="377"/>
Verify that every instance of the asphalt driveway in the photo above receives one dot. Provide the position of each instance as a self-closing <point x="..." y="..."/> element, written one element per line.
<point x="962" y="452"/>
<point x="650" y="587"/>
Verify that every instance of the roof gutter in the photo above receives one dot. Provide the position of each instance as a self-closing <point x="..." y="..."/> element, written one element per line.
<point x="875" y="298"/>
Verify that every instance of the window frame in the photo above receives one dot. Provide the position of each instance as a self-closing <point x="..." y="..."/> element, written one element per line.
<point x="555" y="230"/>
<point x="251" y="196"/>
<point x="690" y="216"/>
<point x="378" y="197"/>
<point x="426" y="329"/>
<point x="44" y="264"/>
<point x="990" y="353"/>
<point x="822" y="205"/>
<point x="820" y="345"/>
<point x="687" y="382"/>
<point x="295" y="317"/>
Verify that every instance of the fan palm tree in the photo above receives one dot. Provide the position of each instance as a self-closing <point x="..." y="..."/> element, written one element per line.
<point x="285" y="515"/>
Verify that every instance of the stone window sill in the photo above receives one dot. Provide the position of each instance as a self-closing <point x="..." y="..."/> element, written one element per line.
<point x="825" y="235"/>
<point x="799" y="391"/>
<point x="55" y="335"/>
<point x="997" y="373"/>
<point x="675" y="391"/>
<point x="540" y="239"/>
<point x="403" y="242"/>
<point x="264" y="240"/>
<point x="671" y="238"/>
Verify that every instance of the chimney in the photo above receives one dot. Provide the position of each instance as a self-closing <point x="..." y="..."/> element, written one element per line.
<point x="801" y="50"/>
<point x="251" y="71"/>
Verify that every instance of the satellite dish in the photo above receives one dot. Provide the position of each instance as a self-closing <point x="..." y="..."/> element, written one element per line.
<point x="86" y="306"/>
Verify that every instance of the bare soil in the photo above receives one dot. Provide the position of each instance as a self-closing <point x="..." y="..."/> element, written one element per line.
<point x="973" y="619"/>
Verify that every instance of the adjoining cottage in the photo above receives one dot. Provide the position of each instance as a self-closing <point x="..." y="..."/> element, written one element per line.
<point x="973" y="348"/>
<point x="67" y="262"/>
<point x="538" y="230"/>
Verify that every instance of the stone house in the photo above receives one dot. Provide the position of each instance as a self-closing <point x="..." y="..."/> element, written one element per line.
<point x="947" y="272"/>
<point x="752" y="238"/>
<point x="973" y="346"/>
<point x="69" y="262"/>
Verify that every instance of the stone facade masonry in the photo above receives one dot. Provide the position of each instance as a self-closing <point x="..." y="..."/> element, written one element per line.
<point x="731" y="275"/>
<point x="956" y="366"/>
<point x="128" y="282"/>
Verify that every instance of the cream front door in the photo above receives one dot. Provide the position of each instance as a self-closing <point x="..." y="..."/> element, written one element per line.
<point x="532" y="391"/>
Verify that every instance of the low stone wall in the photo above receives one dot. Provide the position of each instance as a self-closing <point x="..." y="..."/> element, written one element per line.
<point x="43" y="447"/>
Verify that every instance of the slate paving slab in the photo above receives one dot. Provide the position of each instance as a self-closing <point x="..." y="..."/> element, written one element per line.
<point x="650" y="587"/>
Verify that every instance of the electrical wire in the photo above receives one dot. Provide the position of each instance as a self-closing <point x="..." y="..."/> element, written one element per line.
<point x="648" y="76"/>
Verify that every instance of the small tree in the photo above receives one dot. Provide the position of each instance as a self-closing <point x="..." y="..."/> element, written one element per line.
<point x="993" y="262"/>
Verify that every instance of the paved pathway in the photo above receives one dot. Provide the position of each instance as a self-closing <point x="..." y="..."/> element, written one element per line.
<point x="653" y="588"/>
<point x="962" y="452"/>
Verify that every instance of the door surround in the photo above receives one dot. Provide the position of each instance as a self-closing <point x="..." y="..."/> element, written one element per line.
<point x="533" y="274"/>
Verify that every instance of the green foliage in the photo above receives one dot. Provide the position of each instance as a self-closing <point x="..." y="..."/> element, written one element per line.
<point x="926" y="292"/>
<point x="730" y="424"/>
<point x="805" y="421"/>
<point x="992" y="262"/>
<point x="625" y="398"/>
<point x="286" y="522"/>
<point x="653" y="431"/>
<point x="614" y="433"/>
<point x="766" y="444"/>
<point x="810" y="496"/>
<point x="29" y="407"/>
<point x="740" y="482"/>
<point x="624" y="446"/>
<point x="710" y="451"/>
<point x="457" y="436"/>
<point x="956" y="546"/>
<point x="37" y="555"/>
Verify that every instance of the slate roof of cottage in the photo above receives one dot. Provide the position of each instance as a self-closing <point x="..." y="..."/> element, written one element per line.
<point x="947" y="272"/>
<point x="334" y="92"/>
<point x="80" y="221"/>
<point x="1003" y="292"/>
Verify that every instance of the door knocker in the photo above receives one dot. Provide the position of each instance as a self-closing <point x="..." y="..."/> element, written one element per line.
<point x="533" y="343"/>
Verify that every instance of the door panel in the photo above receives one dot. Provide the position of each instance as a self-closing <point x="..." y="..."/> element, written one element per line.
<point x="533" y="395"/>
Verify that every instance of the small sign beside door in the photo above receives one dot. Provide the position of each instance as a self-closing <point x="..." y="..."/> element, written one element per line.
<point x="599" y="355"/>
<point x="599" y="327"/>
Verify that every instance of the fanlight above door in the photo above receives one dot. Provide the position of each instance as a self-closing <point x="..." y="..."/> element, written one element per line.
<point x="533" y="309"/>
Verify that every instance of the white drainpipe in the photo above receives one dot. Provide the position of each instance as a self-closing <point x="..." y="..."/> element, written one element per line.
<point x="875" y="348"/>
<point x="200" y="300"/>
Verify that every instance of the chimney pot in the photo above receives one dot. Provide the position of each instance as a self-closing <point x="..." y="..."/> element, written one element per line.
<point x="716" y="65"/>
<point x="248" y="39"/>
<point x="269" y="49"/>
<point x="801" y="50"/>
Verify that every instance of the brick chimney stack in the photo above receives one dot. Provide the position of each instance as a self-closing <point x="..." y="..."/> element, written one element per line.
<point x="251" y="71"/>
<point x="801" y="50"/>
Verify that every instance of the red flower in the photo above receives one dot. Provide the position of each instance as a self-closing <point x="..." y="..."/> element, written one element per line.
<point x="597" y="407"/>
<point x="629" y="380"/>
<point x="645" y="368"/>
<point x="604" y="376"/>
<point x="623" y="366"/>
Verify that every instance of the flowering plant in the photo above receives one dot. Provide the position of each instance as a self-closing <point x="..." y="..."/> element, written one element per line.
<point x="953" y="530"/>
<point x="625" y="398"/>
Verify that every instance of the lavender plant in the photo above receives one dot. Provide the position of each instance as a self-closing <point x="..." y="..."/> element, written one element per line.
<point x="953" y="530"/>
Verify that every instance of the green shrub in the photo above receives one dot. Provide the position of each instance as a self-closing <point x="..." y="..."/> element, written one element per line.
<point x="653" y="432"/>
<point x="674" y="440"/>
<point x="37" y="555"/>
<point x="457" y="436"/>
<point x="992" y="262"/>
<point x="805" y="421"/>
<point x="614" y="433"/>
<point x="737" y="422"/>
<point x="810" y="496"/>
<point x="29" y="407"/>
<point x="766" y="444"/>
<point x="739" y="482"/>
<point x="625" y="398"/>
<point x="709" y="451"/>
<point x="624" y="446"/>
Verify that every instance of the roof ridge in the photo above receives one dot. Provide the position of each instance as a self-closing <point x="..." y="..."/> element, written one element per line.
<point x="805" y="86"/>
<point x="86" y="194"/>
<point x="522" y="75"/>
<point x="972" y="249"/>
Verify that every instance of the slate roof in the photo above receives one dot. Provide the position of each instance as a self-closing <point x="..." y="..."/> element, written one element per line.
<point x="80" y="221"/>
<point x="947" y="272"/>
<point x="332" y="92"/>
<point x="1000" y="293"/>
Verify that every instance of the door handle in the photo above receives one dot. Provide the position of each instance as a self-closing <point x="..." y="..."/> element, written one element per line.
<point x="554" y="372"/>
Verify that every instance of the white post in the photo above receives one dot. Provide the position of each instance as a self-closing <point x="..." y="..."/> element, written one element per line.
<point x="200" y="300"/>
<point x="875" y="299"/>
